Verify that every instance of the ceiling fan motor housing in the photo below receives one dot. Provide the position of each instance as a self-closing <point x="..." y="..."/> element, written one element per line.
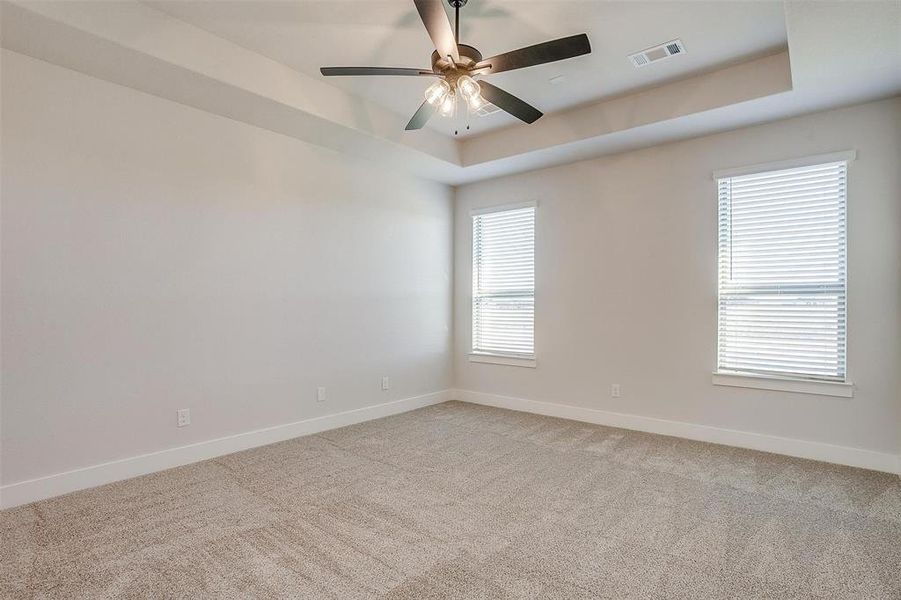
<point x="469" y="56"/>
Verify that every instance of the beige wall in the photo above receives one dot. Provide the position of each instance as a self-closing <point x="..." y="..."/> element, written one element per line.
<point x="626" y="282"/>
<point x="156" y="257"/>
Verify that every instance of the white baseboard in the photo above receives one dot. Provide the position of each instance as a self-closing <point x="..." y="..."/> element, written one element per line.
<point x="842" y="455"/>
<point x="41" y="488"/>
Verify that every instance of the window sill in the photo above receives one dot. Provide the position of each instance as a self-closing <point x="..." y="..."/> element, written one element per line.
<point x="785" y="384"/>
<point x="510" y="361"/>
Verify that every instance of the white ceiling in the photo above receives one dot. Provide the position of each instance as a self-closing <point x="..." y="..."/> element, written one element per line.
<point x="308" y="34"/>
<point x="838" y="53"/>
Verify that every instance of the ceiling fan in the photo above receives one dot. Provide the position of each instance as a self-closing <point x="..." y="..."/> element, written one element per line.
<point x="456" y="65"/>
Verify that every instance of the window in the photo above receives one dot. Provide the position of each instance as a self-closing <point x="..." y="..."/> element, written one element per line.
<point x="782" y="273"/>
<point x="503" y="282"/>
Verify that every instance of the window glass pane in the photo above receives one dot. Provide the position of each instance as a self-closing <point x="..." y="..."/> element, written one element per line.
<point x="503" y="286"/>
<point x="782" y="272"/>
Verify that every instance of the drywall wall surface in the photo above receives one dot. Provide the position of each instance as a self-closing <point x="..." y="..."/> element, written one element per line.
<point x="157" y="257"/>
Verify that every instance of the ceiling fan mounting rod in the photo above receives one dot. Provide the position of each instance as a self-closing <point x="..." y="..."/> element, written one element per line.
<point x="457" y="4"/>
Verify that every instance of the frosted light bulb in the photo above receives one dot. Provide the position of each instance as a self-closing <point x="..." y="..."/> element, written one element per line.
<point x="449" y="105"/>
<point x="437" y="92"/>
<point x="468" y="86"/>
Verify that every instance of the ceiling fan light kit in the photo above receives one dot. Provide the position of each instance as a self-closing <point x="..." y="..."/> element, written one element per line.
<point x="456" y="66"/>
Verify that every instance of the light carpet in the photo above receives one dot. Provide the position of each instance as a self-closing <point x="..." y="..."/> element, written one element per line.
<point x="464" y="501"/>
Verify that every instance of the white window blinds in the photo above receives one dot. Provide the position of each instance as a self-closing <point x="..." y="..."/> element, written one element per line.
<point x="782" y="272"/>
<point x="503" y="282"/>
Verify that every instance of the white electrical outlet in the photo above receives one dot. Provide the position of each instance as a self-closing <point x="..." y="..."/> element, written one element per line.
<point x="320" y="394"/>
<point x="184" y="417"/>
<point x="615" y="391"/>
<point x="386" y="383"/>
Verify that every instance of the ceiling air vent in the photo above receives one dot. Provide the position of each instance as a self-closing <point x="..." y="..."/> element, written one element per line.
<point x="657" y="53"/>
<point x="488" y="109"/>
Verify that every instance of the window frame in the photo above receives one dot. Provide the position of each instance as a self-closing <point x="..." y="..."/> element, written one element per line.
<point x="839" y="388"/>
<point x="496" y="358"/>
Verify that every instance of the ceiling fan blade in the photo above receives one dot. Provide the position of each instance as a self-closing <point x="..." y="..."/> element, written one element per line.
<point x="510" y="103"/>
<point x="568" y="47"/>
<point x="346" y="71"/>
<point x="421" y="116"/>
<point x="438" y="25"/>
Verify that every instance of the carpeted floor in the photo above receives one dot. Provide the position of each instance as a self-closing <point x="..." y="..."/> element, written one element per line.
<point x="463" y="501"/>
